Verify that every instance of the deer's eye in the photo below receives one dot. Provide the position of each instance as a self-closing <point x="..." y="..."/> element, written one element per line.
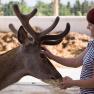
<point x="30" y="38"/>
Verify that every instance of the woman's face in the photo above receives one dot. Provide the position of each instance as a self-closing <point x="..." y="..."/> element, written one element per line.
<point x="90" y="26"/>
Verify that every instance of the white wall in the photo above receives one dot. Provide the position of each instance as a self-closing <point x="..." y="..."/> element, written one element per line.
<point x="78" y="23"/>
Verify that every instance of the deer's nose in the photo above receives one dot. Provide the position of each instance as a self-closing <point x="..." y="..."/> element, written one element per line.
<point x="53" y="78"/>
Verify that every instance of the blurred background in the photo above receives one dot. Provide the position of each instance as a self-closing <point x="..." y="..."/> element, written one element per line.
<point x="48" y="7"/>
<point x="72" y="11"/>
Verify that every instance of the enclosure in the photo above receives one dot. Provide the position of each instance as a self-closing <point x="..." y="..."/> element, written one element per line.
<point x="30" y="85"/>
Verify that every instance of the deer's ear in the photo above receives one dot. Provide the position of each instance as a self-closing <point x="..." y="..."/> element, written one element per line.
<point x="22" y="35"/>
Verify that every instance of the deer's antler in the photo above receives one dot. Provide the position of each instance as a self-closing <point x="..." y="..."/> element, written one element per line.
<point x="55" y="39"/>
<point x="51" y="42"/>
<point x="25" y="19"/>
<point x="50" y="28"/>
<point x="25" y="22"/>
<point x="13" y="29"/>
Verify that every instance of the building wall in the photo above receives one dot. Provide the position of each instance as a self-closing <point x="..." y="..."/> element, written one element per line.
<point x="78" y="23"/>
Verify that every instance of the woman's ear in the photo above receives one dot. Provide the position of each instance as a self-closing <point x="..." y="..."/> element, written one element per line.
<point x="22" y="35"/>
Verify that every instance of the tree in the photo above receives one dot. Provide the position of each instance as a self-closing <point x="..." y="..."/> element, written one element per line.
<point x="23" y="7"/>
<point x="44" y="9"/>
<point x="7" y="9"/>
<point x="77" y="8"/>
<point x="65" y="10"/>
<point x="1" y="9"/>
<point x="84" y="7"/>
<point x="68" y="9"/>
<point x="55" y="4"/>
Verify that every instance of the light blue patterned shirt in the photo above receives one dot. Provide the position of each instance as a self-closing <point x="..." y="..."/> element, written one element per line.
<point x="88" y="67"/>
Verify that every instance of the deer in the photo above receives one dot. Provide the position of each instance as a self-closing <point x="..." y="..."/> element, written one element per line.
<point x="26" y="59"/>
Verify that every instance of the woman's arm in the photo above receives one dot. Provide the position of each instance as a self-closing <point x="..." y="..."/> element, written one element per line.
<point x="68" y="82"/>
<point x="89" y="83"/>
<point x="69" y="62"/>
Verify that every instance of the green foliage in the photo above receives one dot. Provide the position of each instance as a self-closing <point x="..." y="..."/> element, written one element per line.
<point x="1" y="10"/>
<point x="24" y="8"/>
<point x="8" y="10"/>
<point x="46" y="9"/>
<point x="64" y="10"/>
<point x="84" y="7"/>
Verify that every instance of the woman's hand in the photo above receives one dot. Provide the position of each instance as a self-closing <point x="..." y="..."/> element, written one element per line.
<point x="47" y="53"/>
<point x="67" y="83"/>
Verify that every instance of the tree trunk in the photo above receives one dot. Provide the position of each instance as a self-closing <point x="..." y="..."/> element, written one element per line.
<point x="56" y="7"/>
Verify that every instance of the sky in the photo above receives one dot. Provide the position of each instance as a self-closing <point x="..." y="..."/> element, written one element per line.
<point x="33" y="2"/>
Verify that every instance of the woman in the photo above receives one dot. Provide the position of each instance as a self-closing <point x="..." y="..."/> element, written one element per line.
<point x="85" y="59"/>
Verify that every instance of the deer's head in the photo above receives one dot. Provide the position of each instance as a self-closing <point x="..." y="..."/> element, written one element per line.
<point x="38" y="65"/>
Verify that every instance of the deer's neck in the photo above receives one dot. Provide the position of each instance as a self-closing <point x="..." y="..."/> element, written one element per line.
<point x="10" y="54"/>
<point x="11" y="59"/>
